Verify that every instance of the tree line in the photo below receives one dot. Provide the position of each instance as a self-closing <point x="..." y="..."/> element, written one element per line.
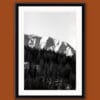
<point x="49" y="69"/>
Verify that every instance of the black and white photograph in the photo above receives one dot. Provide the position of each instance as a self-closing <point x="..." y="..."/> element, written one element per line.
<point x="49" y="50"/>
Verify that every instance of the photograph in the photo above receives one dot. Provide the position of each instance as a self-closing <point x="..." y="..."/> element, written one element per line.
<point x="49" y="50"/>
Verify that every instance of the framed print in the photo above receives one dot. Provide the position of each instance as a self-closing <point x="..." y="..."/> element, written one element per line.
<point x="49" y="50"/>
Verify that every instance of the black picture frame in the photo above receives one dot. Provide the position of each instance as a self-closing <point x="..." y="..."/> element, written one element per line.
<point x="17" y="47"/>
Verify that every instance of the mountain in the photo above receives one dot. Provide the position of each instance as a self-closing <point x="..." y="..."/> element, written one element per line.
<point x="48" y="43"/>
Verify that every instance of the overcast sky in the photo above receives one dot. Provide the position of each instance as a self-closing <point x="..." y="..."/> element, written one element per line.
<point x="59" y="25"/>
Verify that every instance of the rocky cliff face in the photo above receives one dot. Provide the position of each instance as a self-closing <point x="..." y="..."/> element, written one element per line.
<point x="48" y="43"/>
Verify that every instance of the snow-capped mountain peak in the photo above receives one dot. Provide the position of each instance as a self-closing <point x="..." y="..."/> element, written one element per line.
<point x="49" y="43"/>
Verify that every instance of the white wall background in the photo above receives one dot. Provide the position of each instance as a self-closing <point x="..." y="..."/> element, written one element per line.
<point x="59" y="25"/>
